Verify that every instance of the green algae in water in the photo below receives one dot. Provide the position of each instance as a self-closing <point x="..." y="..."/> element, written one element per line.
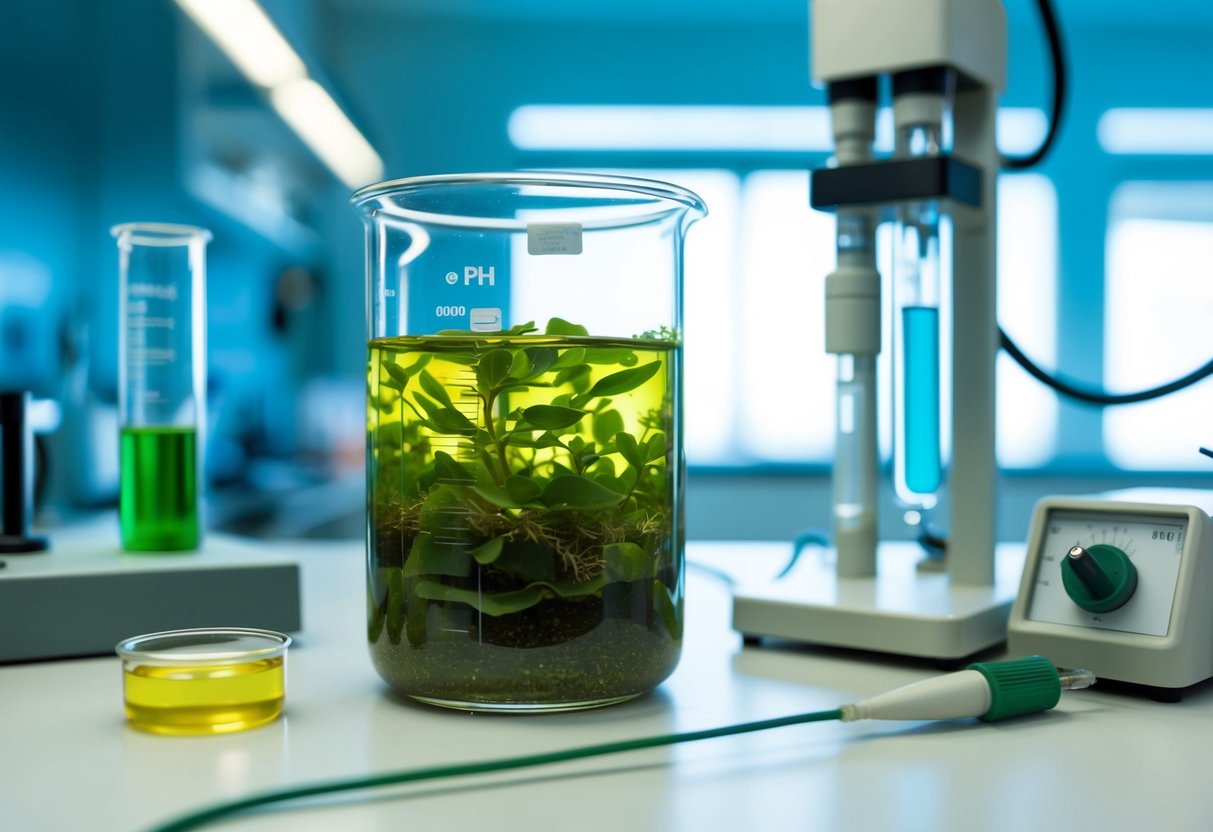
<point x="525" y="541"/>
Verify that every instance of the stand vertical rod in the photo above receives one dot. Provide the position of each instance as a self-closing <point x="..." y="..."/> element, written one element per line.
<point x="17" y="464"/>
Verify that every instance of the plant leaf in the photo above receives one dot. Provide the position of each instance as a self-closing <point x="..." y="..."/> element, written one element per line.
<point x="606" y="425"/>
<point x="521" y="365"/>
<point x="629" y="449"/>
<point x="620" y="355"/>
<point x="574" y="374"/>
<point x="625" y="380"/>
<point x="527" y="561"/>
<point x="548" y="440"/>
<point x="568" y="358"/>
<point x="434" y="387"/>
<point x="576" y="589"/>
<point x="493" y="368"/>
<point x="399" y="377"/>
<point x="395" y="604"/>
<point x="488" y="552"/>
<point x="604" y="465"/>
<point x="448" y="471"/>
<point x="559" y="470"/>
<point x="494" y="604"/>
<point x="536" y="362"/>
<point x="627" y="562"/>
<point x="444" y="419"/>
<point x="430" y="558"/>
<point x="569" y="491"/>
<point x="523" y="437"/>
<point x="497" y="496"/>
<point x="669" y="608"/>
<point x="655" y="447"/>
<point x="427" y="404"/>
<point x="522" y="489"/>
<point x="452" y="421"/>
<point x="551" y="417"/>
<point x="504" y="603"/>
<point x="416" y="618"/>
<point x="377" y="612"/>
<point x="514" y="384"/>
<point x="622" y="484"/>
<point x="559" y="326"/>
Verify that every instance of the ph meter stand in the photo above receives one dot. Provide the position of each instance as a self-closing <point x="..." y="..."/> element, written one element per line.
<point x="874" y="596"/>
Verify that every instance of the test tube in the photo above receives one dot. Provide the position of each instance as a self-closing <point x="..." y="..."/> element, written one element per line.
<point x="921" y="102"/>
<point x="918" y="463"/>
<point x="161" y="372"/>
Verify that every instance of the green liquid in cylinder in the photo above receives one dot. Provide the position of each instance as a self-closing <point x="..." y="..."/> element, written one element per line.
<point x="159" y="489"/>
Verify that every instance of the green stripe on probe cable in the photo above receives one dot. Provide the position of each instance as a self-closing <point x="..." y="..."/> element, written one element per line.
<point x="987" y="690"/>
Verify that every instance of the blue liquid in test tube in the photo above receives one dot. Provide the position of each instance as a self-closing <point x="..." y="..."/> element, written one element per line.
<point x="920" y="374"/>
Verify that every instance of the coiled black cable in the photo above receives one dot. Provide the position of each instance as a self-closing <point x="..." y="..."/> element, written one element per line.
<point x="1057" y="60"/>
<point x="1099" y="397"/>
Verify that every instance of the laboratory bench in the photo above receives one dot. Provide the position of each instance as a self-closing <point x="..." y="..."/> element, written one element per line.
<point x="1103" y="759"/>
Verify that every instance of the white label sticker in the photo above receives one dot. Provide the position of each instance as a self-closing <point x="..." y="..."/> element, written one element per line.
<point x="553" y="238"/>
<point x="485" y="319"/>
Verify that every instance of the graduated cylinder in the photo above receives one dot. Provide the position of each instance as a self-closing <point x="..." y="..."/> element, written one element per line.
<point x="161" y="376"/>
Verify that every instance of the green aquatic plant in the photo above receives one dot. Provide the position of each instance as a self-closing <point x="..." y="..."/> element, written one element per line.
<point x="521" y="471"/>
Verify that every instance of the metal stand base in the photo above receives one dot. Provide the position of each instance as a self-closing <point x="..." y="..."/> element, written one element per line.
<point x="902" y="610"/>
<point x="21" y="544"/>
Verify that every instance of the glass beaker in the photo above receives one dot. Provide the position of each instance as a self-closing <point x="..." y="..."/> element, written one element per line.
<point x="524" y="451"/>
<point x="161" y="383"/>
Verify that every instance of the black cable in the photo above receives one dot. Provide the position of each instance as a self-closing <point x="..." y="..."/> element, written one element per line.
<point x="935" y="545"/>
<point x="1057" y="58"/>
<point x="1098" y="397"/>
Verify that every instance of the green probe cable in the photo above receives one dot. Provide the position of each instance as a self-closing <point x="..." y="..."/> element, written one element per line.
<point x="987" y="690"/>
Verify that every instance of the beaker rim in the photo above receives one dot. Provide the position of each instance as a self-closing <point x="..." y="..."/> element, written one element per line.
<point x="160" y="233"/>
<point x="204" y="645"/>
<point x="684" y="198"/>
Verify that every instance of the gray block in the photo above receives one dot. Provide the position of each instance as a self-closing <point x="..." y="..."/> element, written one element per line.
<point x="85" y="594"/>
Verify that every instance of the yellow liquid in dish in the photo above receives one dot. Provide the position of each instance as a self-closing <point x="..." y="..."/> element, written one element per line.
<point x="202" y="699"/>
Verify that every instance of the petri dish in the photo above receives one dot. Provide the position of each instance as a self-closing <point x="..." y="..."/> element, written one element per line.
<point x="203" y="681"/>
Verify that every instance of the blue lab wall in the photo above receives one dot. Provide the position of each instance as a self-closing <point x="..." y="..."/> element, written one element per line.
<point x="435" y="95"/>
<point x="89" y="100"/>
<point x="43" y="172"/>
<point x="90" y="135"/>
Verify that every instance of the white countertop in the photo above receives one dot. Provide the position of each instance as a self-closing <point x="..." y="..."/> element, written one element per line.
<point x="1101" y="760"/>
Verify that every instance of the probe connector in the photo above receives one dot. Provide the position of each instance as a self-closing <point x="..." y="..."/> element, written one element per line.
<point x="989" y="691"/>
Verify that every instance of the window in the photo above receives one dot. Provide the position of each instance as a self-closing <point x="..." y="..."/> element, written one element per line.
<point x="759" y="384"/>
<point x="1157" y="315"/>
<point x="1027" y="312"/>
